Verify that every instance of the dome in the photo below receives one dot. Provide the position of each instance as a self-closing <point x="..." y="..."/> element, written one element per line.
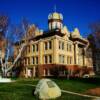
<point x="55" y="15"/>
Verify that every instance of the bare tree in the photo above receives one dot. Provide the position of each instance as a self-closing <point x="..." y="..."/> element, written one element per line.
<point x="95" y="33"/>
<point x="3" y="24"/>
<point x="10" y="35"/>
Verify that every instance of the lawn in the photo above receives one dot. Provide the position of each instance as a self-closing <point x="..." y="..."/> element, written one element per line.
<point x="78" y="84"/>
<point x="22" y="89"/>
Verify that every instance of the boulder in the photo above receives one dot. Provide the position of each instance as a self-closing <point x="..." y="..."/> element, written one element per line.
<point x="47" y="89"/>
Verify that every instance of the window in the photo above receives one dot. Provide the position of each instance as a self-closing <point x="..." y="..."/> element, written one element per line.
<point x="33" y="61"/>
<point x="28" y="60"/>
<point x="50" y="45"/>
<point x="56" y="25"/>
<point x="61" y="58"/>
<point x="69" y="47"/>
<point x="36" y="60"/>
<point x="69" y="60"/>
<point x="33" y="48"/>
<point x="36" y="47"/>
<point x="62" y="45"/>
<point x="49" y="25"/>
<point x="50" y="59"/>
<point x="45" y="59"/>
<point x="59" y="45"/>
<point x="46" y="46"/>
<point x="60" y="25"/>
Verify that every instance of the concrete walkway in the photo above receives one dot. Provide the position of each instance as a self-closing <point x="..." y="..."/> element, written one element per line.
<point x="79" y="94"/>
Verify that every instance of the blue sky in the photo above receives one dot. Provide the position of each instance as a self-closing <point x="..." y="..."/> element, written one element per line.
<point x="76" y="13"/>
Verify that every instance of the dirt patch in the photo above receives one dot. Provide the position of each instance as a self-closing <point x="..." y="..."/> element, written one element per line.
<point x="95" y="91"/>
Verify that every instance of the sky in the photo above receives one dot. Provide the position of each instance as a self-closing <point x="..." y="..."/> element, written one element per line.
<point x="76" y="13"/>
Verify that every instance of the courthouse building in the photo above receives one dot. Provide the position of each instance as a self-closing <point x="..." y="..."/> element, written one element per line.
<point x="56" y="51"/>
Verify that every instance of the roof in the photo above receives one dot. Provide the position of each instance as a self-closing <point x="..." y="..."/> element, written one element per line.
<point x="49" y="34"/>
<point x="55" y="15"/>
<point x="45" y="34"/>
<point x="80" y="40"/>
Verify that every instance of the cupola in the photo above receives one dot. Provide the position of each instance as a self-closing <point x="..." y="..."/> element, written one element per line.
<point x="55" y="21"/>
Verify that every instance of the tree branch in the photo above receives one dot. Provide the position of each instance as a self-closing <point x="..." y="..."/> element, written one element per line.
<point x="18" y="56"/>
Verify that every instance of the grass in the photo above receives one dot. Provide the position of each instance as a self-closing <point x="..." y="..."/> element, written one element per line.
<point x="19" y="90"/>
<point x="77" y="85"/>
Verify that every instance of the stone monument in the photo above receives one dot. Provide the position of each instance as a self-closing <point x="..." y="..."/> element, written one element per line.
<point x="47" y="89"/>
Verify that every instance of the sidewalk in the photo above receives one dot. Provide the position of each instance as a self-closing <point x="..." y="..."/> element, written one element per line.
<point x="84" y="95"/>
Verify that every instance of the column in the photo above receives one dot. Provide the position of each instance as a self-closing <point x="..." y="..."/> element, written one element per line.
<point x="34" y="71"/>
<point x="76" y="53"/>
<point x="41" y="50"/>
<point x="55" y="49"/>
